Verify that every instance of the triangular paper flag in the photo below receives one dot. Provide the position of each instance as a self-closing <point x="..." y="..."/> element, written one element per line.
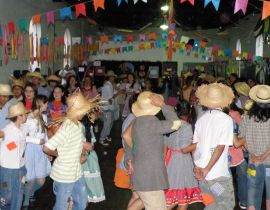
<point x="191" y="1"/>
<point x="266" y="9"/>
<point x="76" y="40"/>
<point x="240" y="5"/>
<point x="80" y="9"/>
<point x="214" y="2"/>
<point x="1" y="34"/>
<point x="98" y="3"/>
<point x="50" y="17"/>
<point x="89" y="39"/>
<point x="135" y="1"/>
<point x="36" y="19"/>
<point x="65" y="13"/>
<point x="11" y="27"/>
<point x="23" y="24"/>
<point x="120" y="1"/>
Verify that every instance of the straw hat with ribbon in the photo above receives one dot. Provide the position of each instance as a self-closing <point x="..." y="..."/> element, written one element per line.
<point x="111" y="74"/>
<point x="260" y="94"/>
<point x="53" y="78"/>
<point x="78" y="105"/>
<point x="5" y="90"/>
<point x="17" y="82"/>
<point x="143" y="105"/>
<point x="215" y="95"/>
<point x="30" y="75"/>
<point x="16" y="110"/>
<point x="242" y="88"/>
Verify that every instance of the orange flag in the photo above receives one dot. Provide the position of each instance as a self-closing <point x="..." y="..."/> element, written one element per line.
<point x="98" y="3"/>
<point x="266" y="9"/>
<point x="36" y="19"/>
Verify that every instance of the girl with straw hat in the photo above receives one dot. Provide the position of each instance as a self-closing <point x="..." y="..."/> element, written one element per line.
<point x="69" y="147"/>
<point x="12" y="163"/>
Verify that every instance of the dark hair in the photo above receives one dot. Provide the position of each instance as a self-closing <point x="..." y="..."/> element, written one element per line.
<point x="35" y="93"/>
<point x="260" y="112"/>
<point x="68" y="81"/>
<point x="13" y="119"/>
<point x="63" y="99"/>
<point x="188" y="81"/>
<point x="42" y="98"/>
<point x="183" y="108"/>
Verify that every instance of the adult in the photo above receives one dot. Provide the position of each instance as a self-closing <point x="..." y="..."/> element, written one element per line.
<point x="72" y="85"/>
<point x="150" y="175"/>
<point x="242" y="90"/>
<point x="213" y="135"/>
<point x="254" y="132"/>
<point x="107" y="94"/>
<point x="5" y="93"/>
<point x="38" y="81"/>
<point x="88" y="88"/>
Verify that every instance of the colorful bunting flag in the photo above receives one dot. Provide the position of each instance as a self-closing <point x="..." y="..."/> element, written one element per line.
<point x="11" y="27"/>
<point x="142" y="37"/>
<point x="190" y="1"/>
<point x="23" y="24"/>
<point x="152" y="36"/>
<point x="266" y="9"/>
<point x="1" y="33"/>
<point x="36" y="19"/>
<point x="65" y="13"/>
<point x="129" y="38"/>
<point x="50" y="17"/>
<point x="80" y="9"/>
<point x="89" y="39"/>
<point x="117" y="38"/>
<point x="164" y="35"/>
<point x="214" y="2"/>
<point x="61" y="41"/>
<point x="120" y="1"/>
<point x="99" y="3"/>
<point x="241" y="5"/>
<point x="104" y="39"/>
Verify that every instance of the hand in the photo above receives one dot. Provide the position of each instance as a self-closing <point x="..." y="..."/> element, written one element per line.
<point x="87" y="146"/>
<point x="200" y="173"/>
<point x="50" y="158"/>
<point x="157" y="100"/>
<point x="130" y="167"/>
<point x="83" y="159"/>
<point x="257" y="158"/>
<point x="42" y="141"/>
<point x="2" y="134"/>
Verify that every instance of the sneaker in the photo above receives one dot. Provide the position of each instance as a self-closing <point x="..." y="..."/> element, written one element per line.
<point x="109" y="139"/>
<point x="103" y="143"/>
<point x="242" y="206"/>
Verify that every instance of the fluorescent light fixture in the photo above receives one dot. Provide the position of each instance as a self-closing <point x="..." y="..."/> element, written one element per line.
<point x="164" y="27"/>
<point x="165" y="8"/>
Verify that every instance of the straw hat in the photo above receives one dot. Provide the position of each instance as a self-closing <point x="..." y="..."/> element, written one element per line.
<point x="242" y="88"/>
<point x="5" y="90"/>
<point x="30" y="75"/>
<point x="17" y="82"/>
<point x="53" y="78"/>
<point x="260" y="94"/>
<point x="187" y="74"/>
<point x="111" y="74"/>
<point x="78" y="106"/>
<point x="215" y="95"/>
<point x="16" y="110"/>
<point x="143" y="105"/>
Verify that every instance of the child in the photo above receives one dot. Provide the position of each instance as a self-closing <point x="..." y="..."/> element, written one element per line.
<point x="183" y="189"/>
<point x="37" y="163"/>
<point x="12" y="170"/>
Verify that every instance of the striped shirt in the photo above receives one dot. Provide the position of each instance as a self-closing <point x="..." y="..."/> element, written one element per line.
<point x="68" y="141"/>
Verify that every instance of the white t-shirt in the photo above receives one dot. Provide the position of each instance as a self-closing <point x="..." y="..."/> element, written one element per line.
<point x="212" y="129"/>
<point x="12" y="147"/>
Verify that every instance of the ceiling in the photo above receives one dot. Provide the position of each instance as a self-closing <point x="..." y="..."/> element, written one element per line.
<point x="187" y="17"/>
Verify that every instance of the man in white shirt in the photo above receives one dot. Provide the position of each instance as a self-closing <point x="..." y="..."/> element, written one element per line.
<point x="12" y="169"/>
<point x="213" y="135"/>
<point x="107" y="94"/>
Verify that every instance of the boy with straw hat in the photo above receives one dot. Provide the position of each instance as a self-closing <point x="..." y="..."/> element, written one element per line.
<point x="212" y="136"/>
<point x="12" y="169"/>
<point x="67" y="145"/>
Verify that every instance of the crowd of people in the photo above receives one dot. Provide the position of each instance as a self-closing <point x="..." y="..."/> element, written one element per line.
<point x="181" y="136"/>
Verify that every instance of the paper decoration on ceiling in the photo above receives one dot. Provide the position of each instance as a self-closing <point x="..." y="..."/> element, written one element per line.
<point x="11" y="27"/>
<point x="76" y="40"/>
<point x="89" y="39"/>
<point x="61" y="41"/>
<point x="184" y="39"/>
<point x="50" y="17"/>
<point x="120" y="1"/>
<point x="117" y="38"/>
<point x="214" y="2"/>
<point x="99" y="4"/>
<point x="36" y="19"/>
<point x="65" y="13"/>
<point x="152" y="36"/>
<point x="142" y="37"/>
<point x="104" y="39"/>
<point x="266" y="9"/>
<point x="135" y="1"/>
<point x="80" y="9"/>
<point x="241" y="5"/>
<point x="190" y="1"/>
<point x="1" y="34"/>
<point x="129" y="38"/>
<point x="23" y="24"/>
<point x="164" y="34"/>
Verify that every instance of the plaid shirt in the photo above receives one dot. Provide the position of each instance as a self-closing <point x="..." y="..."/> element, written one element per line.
<point x="257" y="135"/>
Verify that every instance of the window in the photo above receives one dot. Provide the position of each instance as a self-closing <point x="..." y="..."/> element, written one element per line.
<point x="35" y="35"/>
<point x="67" y="47"/>
<point x="259" y="46"/>
<point x="239" y="49"/>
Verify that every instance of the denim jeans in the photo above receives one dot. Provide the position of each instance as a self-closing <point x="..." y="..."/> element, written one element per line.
<point x="256" y="183"/>
<point x="241" y="174"/>
<point x="11" y="188"/>
<point x="76" y="190"/>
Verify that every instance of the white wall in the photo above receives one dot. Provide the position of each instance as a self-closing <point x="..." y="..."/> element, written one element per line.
<point x="17" y="9"/>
